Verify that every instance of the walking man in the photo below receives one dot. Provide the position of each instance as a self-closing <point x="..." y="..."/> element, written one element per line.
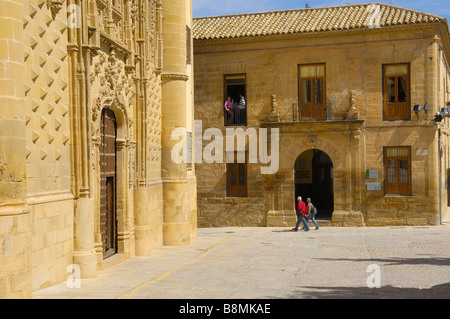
<point x="302" y="215"/>
<point x="312" y="211"/>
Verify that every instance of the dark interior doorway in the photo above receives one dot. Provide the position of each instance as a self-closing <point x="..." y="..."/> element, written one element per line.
<point x="108" y="189"/>
<point x="314" y="179"/>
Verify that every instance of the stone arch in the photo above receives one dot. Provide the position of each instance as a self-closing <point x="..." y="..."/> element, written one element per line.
<point x="120" y="111"/>
<point x="292" y="145"/>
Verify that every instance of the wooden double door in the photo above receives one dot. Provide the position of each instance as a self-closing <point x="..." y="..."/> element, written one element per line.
<point x="108" y="188"/>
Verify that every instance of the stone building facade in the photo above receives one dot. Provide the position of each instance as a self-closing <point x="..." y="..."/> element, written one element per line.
<point x="90" y="92"/>
<point x="353" y="91"/>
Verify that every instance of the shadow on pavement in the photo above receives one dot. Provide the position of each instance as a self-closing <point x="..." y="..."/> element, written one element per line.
<point x="435" y="261"/>
<point x="387" y="292"/>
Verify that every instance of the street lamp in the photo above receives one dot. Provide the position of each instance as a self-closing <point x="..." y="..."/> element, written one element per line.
<point x="443" y="113"/>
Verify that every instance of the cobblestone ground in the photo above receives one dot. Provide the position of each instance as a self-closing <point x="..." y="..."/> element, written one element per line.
<point x="254" y="263"/>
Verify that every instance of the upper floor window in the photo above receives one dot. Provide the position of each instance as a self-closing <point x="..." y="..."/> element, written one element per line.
<point x="312" y="93"/>
<point x="396" y="92"/>
<point x="397" y="170"/>
<point x="235" y="102"/>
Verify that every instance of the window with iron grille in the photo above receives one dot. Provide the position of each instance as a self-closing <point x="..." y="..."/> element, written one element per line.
<point x="312" y="93"/>
<point x="397" y="170"/>
<point x="396" y="91"/>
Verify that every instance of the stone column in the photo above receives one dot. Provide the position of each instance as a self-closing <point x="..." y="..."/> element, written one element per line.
<point x="141" y="222"/>
<point x="84" y="254"/>
<point x="358" y="170"/>
<point x="84" y="243"/>
<point x="176" y="219"/>
<point x="15" y="219"/>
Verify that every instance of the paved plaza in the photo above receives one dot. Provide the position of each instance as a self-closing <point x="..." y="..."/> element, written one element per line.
<point x="268" y="263"/>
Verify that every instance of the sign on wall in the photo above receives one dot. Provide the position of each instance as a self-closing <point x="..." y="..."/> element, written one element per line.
<point x="371" y="174"/>
<point x="374" y="186"/>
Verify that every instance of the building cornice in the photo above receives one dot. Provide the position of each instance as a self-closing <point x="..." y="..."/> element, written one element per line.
<point x="316" y="35"/>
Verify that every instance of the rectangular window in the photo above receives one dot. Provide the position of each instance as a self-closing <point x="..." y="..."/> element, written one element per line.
<point x="396" y="92"/>
<point x="312" y="92"/>
<point x="236" y="174"/>
<point x="397" y="166"/>
<point x="235" y="100"/>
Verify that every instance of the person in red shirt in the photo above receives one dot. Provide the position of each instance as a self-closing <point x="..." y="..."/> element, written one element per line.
<point x="302" y="215"/>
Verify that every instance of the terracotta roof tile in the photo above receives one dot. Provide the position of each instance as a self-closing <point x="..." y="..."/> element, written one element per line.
<point x="306" y="20"/>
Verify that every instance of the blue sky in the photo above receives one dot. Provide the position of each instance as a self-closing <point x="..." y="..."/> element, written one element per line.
<point x="203" y="8"/>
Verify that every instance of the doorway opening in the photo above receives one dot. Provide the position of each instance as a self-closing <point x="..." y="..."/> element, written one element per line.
<point x="314" y="179"/>
<point x="108" y="188"/>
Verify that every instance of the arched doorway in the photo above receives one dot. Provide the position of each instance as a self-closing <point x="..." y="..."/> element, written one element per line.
<point x="314" y="179"/>
<point x="108" y="187"/>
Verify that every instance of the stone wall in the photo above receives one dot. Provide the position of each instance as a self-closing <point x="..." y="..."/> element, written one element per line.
<point x="15" y="218"/>
<point x="52" y="239"/>
<point x="48" y="149"/>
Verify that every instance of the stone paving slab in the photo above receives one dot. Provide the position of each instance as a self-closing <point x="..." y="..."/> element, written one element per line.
<point x="268" y="263"/>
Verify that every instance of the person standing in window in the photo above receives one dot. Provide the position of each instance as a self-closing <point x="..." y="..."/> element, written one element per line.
<point x="229" y="106"/>
<point x="239" y="110"/>
<point x="241" y="102"/>
<point x="241" y="107"/>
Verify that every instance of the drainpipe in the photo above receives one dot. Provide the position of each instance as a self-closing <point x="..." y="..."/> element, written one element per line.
<point x="440" y="175"/>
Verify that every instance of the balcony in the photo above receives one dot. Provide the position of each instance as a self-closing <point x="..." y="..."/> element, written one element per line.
<point x="312" y="113"/>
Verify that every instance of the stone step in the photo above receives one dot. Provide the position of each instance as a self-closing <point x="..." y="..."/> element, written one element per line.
<point x="322" y="222"/>
<point x="113" y="260"/>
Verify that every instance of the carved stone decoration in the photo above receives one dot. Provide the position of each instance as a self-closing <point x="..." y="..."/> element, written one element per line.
<point x="55" y="5"/>
<point x="312" y="139"/>
<point x="174" y="77"/>
<point x="273" y="116"/>
<point x="131" y="162"/>
<point x="101" y="16"/>
<point x="357" y="139"/>
<point x="352" y="113"/>
<point x="115" y="88"/>
<point x="96" y="141"/>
